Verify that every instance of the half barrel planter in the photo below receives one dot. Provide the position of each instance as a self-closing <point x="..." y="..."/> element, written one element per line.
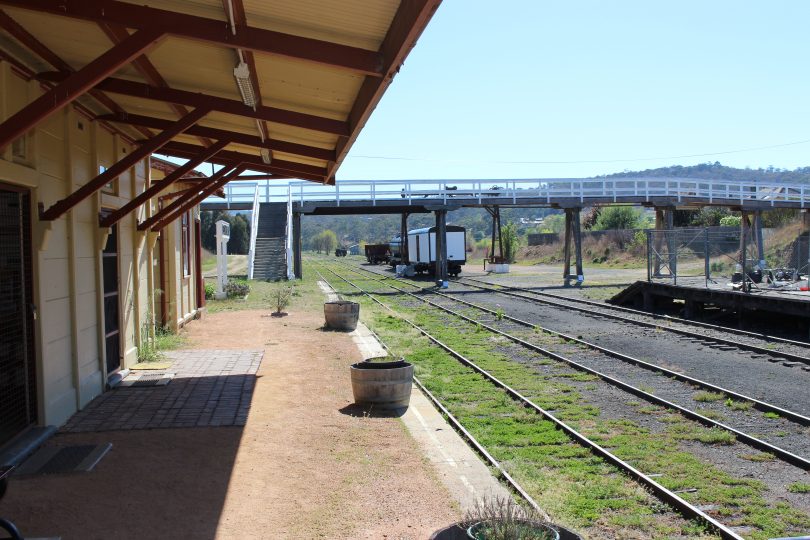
<point x="341" y="315"/>
<point x="382" y="385"/>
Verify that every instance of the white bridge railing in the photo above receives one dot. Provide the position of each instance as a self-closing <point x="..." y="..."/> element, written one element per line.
<point x="602" y="190"/>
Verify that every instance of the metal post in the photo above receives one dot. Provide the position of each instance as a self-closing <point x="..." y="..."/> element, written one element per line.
<point x="577" y="245"/>
<point x="649" y="256"/>
<point x="403" y="239"/>
<point x="706" y="264"/>
<point x="672" y="245"/>
<point x="297" y="268"/>
<point x="659" y="225"/>
<point x="760" y="240"/>
<point x="743" y="242"/>
<point x="567" y="248"/>
<point x="441" y="247"/>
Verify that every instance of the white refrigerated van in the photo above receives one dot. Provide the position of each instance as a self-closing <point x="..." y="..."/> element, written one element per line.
<point x="422" y="249"/>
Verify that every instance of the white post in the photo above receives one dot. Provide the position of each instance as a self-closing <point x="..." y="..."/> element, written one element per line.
<point x="223" y="235"/>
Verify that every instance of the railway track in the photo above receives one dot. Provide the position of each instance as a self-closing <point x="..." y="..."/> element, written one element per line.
<point x="671" y="498"/>
<point x="781" y="453"/>
<point x="637" y="317"/>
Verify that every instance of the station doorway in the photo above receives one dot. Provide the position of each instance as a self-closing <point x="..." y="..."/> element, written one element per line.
<point x="18" y="403"/>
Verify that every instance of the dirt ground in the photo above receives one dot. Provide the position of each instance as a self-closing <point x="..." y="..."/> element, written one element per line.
<point x="306" y="465"/>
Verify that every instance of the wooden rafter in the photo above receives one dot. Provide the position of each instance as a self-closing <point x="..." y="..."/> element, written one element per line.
<point x="229" y="157"/>
<point x="215" y="103"/>
<point x="205" y="153"/>
<point x="153" y="144"/>
<point x="148" y="71"/>
<point x="28" y="40"/>
<point x="75" y="84"/>
<point x="236" y="137"/>
<point x="211" y="31"/>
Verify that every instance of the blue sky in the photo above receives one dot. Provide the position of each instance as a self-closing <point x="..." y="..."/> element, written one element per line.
<point x="492" y="84"/>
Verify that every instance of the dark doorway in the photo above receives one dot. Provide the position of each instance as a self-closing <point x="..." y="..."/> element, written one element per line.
<point x="18" y="405"/>
<point x="112" y="326"/>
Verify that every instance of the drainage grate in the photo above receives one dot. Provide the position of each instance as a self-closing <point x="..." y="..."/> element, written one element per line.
<point x="63" y="459"/>
<point x="146" y="380"/>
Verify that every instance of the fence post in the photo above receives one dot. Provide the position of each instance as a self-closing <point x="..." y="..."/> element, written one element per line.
<point x="707" y="266"/>
<point x="649" y="255"/>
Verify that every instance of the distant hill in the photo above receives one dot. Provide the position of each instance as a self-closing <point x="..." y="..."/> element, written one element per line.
<point x="379" y="228"/>
<point x="720" y="172"/>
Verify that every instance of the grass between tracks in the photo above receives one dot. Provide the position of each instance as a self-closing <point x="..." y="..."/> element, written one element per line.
<point x="576" y="487"/>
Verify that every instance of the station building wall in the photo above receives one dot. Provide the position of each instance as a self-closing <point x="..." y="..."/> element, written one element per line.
<point x="60" y="155"/>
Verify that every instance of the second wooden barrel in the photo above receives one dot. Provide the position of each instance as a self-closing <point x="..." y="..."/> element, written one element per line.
<point x="341" y="315"/>
<point x="384" y="385"/>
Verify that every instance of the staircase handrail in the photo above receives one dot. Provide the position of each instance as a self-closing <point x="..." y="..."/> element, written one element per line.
<point x="254" y="231"/>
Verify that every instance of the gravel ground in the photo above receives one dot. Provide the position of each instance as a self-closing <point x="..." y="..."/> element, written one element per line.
<point x="796" y="349"/>
<point x="775" y="383"/>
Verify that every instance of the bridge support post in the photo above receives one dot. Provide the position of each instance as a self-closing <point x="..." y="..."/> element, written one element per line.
<point x="296" y="245"/>
<point x="403" y="239"/>
<point x="441" y="247"/>
<point x="495" y="212"/>
<point x="572" y="232"/>
<point x="759" y="238"/>
<point x="745" y="230"/>
<point x="664" y="221"/>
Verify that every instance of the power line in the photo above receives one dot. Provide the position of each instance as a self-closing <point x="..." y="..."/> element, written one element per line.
<point x="583" y="161"/>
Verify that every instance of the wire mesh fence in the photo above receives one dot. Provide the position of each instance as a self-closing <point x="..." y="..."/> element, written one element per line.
<point x="719" y="257"/>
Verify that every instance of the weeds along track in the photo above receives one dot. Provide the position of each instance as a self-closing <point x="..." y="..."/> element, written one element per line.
<point x="704" y="462"/>
<point x="714" y="367"/>
<point x="681" y="393"/>
<point x="762" y="344"/>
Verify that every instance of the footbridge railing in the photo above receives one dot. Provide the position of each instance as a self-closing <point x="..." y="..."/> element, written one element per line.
<point x="586" y="191"/>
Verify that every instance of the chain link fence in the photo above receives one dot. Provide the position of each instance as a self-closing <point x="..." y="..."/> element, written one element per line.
<point x="715" y="257"/>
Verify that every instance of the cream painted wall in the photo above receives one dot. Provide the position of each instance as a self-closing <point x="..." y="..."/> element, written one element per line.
<point x="65" y="152"/>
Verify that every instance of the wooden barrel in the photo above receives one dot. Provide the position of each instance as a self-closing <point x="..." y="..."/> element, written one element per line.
<point x="383" y="385"/>
<point x="341" y="315"/>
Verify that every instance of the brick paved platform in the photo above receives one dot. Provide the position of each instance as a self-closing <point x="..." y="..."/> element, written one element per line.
<point x="210" y="388"/>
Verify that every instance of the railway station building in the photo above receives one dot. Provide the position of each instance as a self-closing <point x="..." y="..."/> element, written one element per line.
<point x="100" y="241"/>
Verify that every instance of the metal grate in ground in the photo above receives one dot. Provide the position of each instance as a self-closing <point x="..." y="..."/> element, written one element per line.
<point x="145" y="380"/>
<point x="210" y="388"/>
<point x="63" y="459"/>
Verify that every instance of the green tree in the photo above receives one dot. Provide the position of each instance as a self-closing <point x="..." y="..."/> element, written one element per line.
<point x="618" y="217"/>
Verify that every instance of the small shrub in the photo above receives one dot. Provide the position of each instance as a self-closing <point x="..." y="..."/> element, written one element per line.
<point x="280" y="297"/>
<point x="237" y="288"/>
<point x="771" y="415"/>
<point x="210" y="289"/>
<point x="503" y="519"/>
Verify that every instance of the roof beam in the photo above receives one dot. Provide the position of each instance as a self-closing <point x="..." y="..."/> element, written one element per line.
<point x="157" y="187"/>
<point x="226" y="157"/>
<point x="148" y="71"/>
<point x="177" y="207"/>
<point x="37" y="47"/>
<point x="410" y="20"/>
<point x="76" y="84"/>
<point x="213" y="31"/>
<point x="58" y="209"/>
<point x="215" y="103"/>
<point x="235" y="137"/>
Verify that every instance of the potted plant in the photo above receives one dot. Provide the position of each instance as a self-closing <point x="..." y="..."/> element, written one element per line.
<point x="501" y="518"/>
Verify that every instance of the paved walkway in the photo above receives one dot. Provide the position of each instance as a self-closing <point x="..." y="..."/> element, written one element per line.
<point x="210" y="388"/>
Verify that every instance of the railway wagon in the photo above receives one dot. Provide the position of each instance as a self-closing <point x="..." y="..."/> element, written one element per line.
<point x="422" y="249"/>
<point x="378" y="253"/>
